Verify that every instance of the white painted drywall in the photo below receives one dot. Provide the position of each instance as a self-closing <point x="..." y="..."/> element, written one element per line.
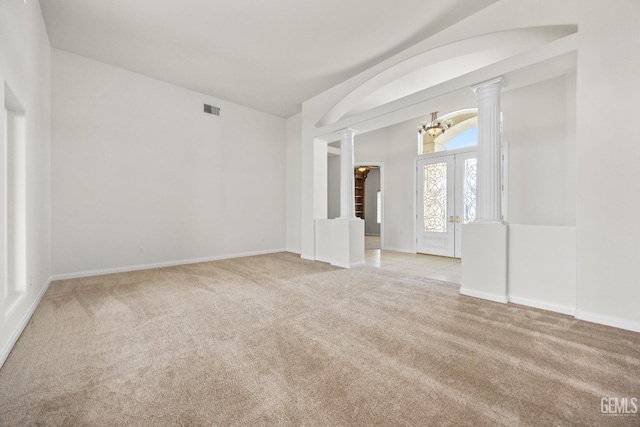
<point x="535" y="124"/>
<point x="324" y="240"/>
<point x="542" y="267"/>
<point x="294" y="183"/>
<point x="25" y="69"/>
<point x="608" y="207"/>
<point x="136" y="163"/>
<point x="485" y="274"/>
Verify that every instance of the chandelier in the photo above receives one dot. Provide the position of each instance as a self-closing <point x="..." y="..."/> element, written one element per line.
<point x="436" y="127"/>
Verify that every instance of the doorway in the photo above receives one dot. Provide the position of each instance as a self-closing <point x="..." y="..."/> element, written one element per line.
<point x="369" y="201"/>
<point x="445" y="200"/>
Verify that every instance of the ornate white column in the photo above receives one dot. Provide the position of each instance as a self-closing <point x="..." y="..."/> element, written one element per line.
<point x="489" y="182"/>
<point x="485" y="240"/>
<point x="347" y="199"/>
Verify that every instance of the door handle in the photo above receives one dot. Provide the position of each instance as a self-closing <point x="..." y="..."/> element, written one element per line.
<point x="451" y="219"/>
<point x="458" y="219"/>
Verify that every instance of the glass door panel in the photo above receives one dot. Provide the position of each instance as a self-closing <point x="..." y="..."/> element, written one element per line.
<point x="446" y="199"/>
<point x="435" y="186"/>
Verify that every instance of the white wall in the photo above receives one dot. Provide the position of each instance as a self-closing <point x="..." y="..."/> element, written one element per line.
<point x="608" y="230"/>
<point x="541" y="152"/>
<point x="25" y="68"/>
<point x="294" y="184"/>
<point x="137" y="164"/>
<point x="542" y="267"/>
<point x="542" y="196"/>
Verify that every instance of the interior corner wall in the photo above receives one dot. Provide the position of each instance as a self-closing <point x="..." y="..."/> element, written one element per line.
<point x="25" y="56"/>
<point x="142" y="176"/>
<point x="294" y="183"/>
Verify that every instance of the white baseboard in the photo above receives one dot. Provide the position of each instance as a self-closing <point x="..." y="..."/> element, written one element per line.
<point x="484" y="295"/>
<point x="543" y="305"/>
<point x="608" y="321"/>
<point x="294" y="251"/>
<point x="23" y="323"/>
<point x="348" y="265"/>
<point x="159" y="265"/>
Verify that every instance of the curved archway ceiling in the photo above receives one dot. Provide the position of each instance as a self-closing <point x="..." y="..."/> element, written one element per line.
<point x="438" y="65"/>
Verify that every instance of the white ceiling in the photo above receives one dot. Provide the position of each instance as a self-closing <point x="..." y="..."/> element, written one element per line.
<point x="270" y="55"/>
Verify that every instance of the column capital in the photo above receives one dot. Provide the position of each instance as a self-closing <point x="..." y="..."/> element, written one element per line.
<point x="498" y="82"/>
<point x="347" y="131"/>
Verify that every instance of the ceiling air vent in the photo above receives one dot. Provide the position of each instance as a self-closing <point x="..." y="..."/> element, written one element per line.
<point x="209" y="109"/>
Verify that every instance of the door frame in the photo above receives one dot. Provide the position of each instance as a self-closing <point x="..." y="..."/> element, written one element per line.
<point x="415" y="182"/>
<point x="381" y="166"/>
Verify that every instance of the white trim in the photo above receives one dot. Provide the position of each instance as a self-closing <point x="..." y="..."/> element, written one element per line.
<point x="444" y="153"/>
<point x="349" y="265"/>
<point x="23" y="323"/>
<point x="504" y="161"/>
<point x="483" y="295"/>
<point x="333" y="151"/>
<point x="159" y="265"/>
<point x="608" y="321"/>
<point x="459" y="113"/>
<point x="543" y="305"/>
<point x="322" y="259"/>
<point x="294" y="251"/>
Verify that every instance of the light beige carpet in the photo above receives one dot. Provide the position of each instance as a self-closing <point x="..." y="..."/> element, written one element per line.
<point x="276" y="340"/>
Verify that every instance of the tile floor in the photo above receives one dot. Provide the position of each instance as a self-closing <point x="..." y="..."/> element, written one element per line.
<point x="429" y="266"/>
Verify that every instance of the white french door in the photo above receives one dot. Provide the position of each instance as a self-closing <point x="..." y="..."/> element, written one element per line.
<point x="446" y="199"/>
<point x="465" y="195"/>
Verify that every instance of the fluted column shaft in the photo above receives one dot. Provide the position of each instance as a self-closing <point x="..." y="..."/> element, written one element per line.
<point x="489" y="180"/>
<point x="347" y="183"/>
